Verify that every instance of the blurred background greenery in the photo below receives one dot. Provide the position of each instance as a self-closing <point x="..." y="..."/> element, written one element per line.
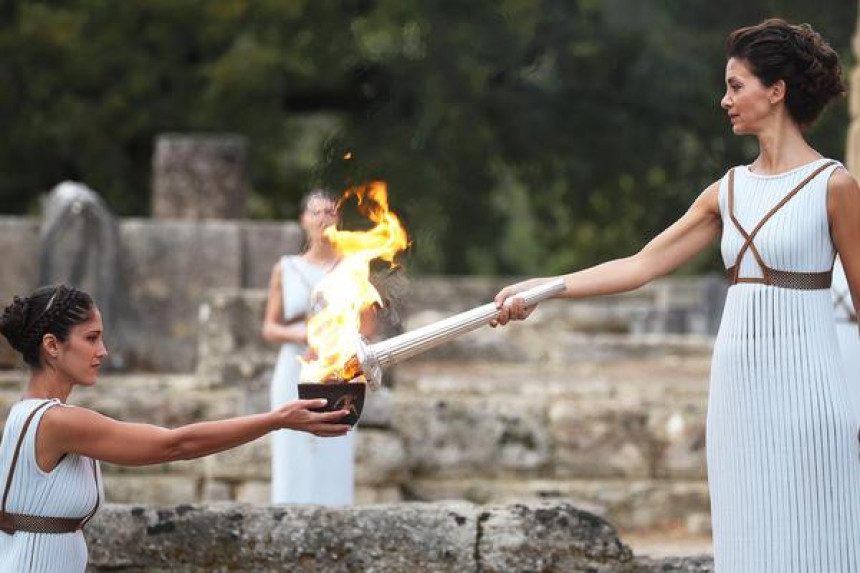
<point x="516" y="136"/>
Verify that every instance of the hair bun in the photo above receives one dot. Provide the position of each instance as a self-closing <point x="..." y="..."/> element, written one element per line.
<point x="13" y="322"/>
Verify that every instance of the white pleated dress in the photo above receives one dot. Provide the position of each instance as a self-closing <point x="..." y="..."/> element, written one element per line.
<point x="847" y="332"/>
<point x="782" y="448"/>
<point x="305" y="468"/>
<point x="69" y="490"/>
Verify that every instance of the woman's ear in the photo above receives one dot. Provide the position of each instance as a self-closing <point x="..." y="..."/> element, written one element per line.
<point x="51" y="345"/>
<point x="777" y="92"/>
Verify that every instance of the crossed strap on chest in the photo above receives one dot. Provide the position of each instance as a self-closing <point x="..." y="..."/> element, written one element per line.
<point x="12" y="522"/>
<point x="770" y="276"/>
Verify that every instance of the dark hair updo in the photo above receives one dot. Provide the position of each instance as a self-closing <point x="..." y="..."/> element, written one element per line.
<point x="776" y="50"/>
<point x="48" y="310"/>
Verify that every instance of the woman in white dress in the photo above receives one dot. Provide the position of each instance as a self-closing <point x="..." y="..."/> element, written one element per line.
<point x="847" y="331"/>
<point x="304" y="469"/>
<point x="782" y="448"/>
<point x="50" y="451"/>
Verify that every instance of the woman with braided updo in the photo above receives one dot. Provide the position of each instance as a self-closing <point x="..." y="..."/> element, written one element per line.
<point x="782" y="437"/>
<point x="50" y="451"/>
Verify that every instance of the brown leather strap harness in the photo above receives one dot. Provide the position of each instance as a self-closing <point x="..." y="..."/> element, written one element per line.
<point x="12" y="522"/>
<point x="774" y="277"/>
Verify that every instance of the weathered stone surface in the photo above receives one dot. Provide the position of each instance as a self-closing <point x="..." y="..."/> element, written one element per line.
<point x="156" y="399"/>
<point x="263" y="244"/>
<point x="547" y="537"/>
<point x="852" y="152"/>
<point x="464" y="436"/>
<point x="221" y="537"/>
<point x="155" y="488"/>
<point x="380" y="460"/>
<point x="374" y="495"/>
<point x="636" y="439"/>
<point x="629" y="504"/>
<point x="19" y="239"/>
<point x="702" y="564"/>
<point x="253" y="491"/>
<point x="168" y="268"/>
<point x="19" y="243"/>
<point x="214" y="490"/>
<point x="441" y="537"/>
<point x="199" y="176"/>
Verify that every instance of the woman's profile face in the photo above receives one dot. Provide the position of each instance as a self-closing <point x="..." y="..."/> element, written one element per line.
<point x="747" y="100"/>
<point x="319" y="214"/>
<point x="81" y="355"/>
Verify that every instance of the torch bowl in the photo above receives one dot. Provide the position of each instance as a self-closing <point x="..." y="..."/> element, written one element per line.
<point x="340" y="396"/>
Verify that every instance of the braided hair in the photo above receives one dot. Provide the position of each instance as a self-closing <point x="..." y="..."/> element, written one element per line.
<point x="776" y="50"/>
<point x="48" y="310"/>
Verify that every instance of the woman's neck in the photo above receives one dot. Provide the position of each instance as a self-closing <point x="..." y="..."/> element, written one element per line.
<point x="47" y="383"/>
<point x="321" y="253"/>
<point x="782" y="148"/>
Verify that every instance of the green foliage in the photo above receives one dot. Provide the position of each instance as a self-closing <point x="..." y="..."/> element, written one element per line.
<point x="516" y="136"/>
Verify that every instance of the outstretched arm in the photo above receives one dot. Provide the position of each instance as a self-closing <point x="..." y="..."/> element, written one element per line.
<point x="684" y="239"/>
<point x="274" y="330"/>
<point x="82" y="431"/>
<point x="843" y="209"/>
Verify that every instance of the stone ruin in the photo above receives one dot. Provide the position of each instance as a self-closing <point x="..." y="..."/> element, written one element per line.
<point x="409" y="538"/>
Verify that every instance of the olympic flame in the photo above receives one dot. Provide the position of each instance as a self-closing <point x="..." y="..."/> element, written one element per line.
<point x="345" y="293"/>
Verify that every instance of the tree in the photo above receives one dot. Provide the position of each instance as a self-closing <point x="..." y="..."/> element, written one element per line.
<point x="516" y="136"/>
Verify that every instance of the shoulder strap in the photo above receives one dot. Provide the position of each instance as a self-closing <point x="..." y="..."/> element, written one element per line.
<point x="18" y="452"/>
<point x="748" y="238"/>
<point x="298" y="272"/>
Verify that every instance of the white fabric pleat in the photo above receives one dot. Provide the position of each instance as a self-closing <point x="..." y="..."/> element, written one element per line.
<point x="782" y="448"/>
<point x="69" y="490"/>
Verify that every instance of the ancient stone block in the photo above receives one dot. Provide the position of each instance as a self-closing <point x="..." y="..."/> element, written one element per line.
<point x="197" y="176"/>
<point x="255" y="491"/>
<point x="380" y="458"/>
<point x="154" y="488"/>
<point x="167" y="269"/>
<point x="548" y="537"/>
<point x="462" y="436"/>
<point x="395" y="538"/>
<point x="19" y="243"/>
<point x="263" y="244"/>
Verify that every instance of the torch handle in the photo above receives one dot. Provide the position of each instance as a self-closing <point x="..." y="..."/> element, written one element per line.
<point x="409" y="344"/>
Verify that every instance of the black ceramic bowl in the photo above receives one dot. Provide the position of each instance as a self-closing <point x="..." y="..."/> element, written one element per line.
<point x="340" y="396"/>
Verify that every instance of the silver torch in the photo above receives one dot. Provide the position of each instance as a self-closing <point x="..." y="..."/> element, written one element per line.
<point x="374" y="358"/>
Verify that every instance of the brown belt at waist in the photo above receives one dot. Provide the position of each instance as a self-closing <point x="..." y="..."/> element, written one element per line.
<point x="12" y="522"/>
<point x="785" y="279"/>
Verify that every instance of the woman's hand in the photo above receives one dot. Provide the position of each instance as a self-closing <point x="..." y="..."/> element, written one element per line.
<point x="515" y="309"/>
<point x="298" y="415"/>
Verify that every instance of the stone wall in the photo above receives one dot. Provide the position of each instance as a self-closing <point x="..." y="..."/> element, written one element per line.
<point x="414" y="538"/>
<point x="609" y="419"/>
<point x="166" y="271"/>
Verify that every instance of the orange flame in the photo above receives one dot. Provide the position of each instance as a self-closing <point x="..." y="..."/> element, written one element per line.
<point x="346" y="291"/>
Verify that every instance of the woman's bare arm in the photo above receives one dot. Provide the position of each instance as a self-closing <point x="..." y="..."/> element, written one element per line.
<point x="843" y="209"/>
<point x="274" y="330"/>
<point x="679" y="243"/>
<point x="82" y="431"/>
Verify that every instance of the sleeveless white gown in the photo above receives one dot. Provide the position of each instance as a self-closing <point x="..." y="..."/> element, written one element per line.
<point x="782" y="448"/>
<point x="69" y="490"/>
<point x="305" y="468"/>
